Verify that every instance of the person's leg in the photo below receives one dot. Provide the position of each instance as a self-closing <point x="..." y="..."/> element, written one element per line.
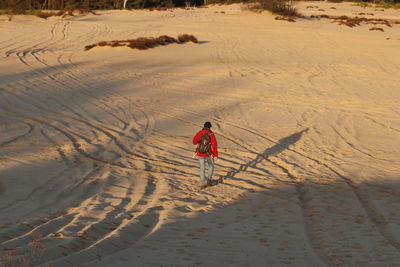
<point x="210" y="167"/>
<point x="202" y="171"/>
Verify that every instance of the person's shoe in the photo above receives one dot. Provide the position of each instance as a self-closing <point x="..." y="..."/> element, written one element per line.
<point x="209" y="182"/>
<point x="202" y="186"/>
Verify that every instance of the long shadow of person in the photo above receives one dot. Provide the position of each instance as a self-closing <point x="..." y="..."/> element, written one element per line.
<point x="279" y="146"/>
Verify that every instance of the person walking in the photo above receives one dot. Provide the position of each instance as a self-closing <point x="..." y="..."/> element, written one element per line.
<point x="207" y="152"/>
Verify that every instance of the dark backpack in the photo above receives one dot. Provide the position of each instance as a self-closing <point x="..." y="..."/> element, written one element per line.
<point x="205" y="144"/>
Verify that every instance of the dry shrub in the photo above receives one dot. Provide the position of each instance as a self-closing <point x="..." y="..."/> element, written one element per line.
<point x="356" y="21"/>
<point x="376" y="29"/>
<point x="103" y="43"/>
<point x="114" y="44"/>
<point x="183" y="38"/>
<point x="88" y="47"/>
<point x="364" y="14"/>
<point x="280" y="7"/>
<point x="284" y="18"/>
<point x="164" y="39"/>
<point x="45" y="15"/>
<point x="143" y="43"/>
<point x="350" y="22"/>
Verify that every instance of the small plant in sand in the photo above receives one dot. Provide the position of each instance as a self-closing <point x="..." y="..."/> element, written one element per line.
<point x="37" y="244"/>
<point x="10" y="259"/>
<point x="143" y="43"/>
<point x="7" y="260"/>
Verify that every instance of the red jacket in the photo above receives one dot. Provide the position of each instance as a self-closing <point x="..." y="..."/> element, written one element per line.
<point x="214" y="148"/>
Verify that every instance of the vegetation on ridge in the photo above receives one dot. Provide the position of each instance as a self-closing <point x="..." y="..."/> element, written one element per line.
<point x="143" y="43"/>
<point x="34" y="7"/>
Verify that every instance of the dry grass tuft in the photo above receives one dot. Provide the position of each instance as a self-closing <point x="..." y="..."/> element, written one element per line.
<point x="88" y="47"/>
<point x="364" y="14"/>
<point x="10" y="260"/>
<point x="37" y="244"/>
<point x="143" y="43"/>
<point x="7" y="260"/>
<point x="284" y="18"/>
<point x="356" y="21"/>
<point x="24" y="263"/>
<point x="376" y="29"/>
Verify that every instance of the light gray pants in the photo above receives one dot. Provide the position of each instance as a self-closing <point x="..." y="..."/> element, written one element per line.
<point x="210" y="162"/>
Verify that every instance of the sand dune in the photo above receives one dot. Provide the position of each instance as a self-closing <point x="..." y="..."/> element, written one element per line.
<point x="96" y="164"/>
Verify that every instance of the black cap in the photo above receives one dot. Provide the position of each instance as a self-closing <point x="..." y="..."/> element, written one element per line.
<point x="207" y="124"/>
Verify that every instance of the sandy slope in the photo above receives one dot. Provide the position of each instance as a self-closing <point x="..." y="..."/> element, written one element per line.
<point x="95" y="148"/>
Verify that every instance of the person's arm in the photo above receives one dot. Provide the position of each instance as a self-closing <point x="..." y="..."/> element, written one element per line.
<point x="214" y="146"/>
<point x="197" y="138"/>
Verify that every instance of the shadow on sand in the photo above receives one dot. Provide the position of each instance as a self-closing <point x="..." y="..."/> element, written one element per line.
<point x="280" y="146"/>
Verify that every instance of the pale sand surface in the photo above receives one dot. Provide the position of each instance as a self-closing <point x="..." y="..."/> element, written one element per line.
<point x="95" y="146"/>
